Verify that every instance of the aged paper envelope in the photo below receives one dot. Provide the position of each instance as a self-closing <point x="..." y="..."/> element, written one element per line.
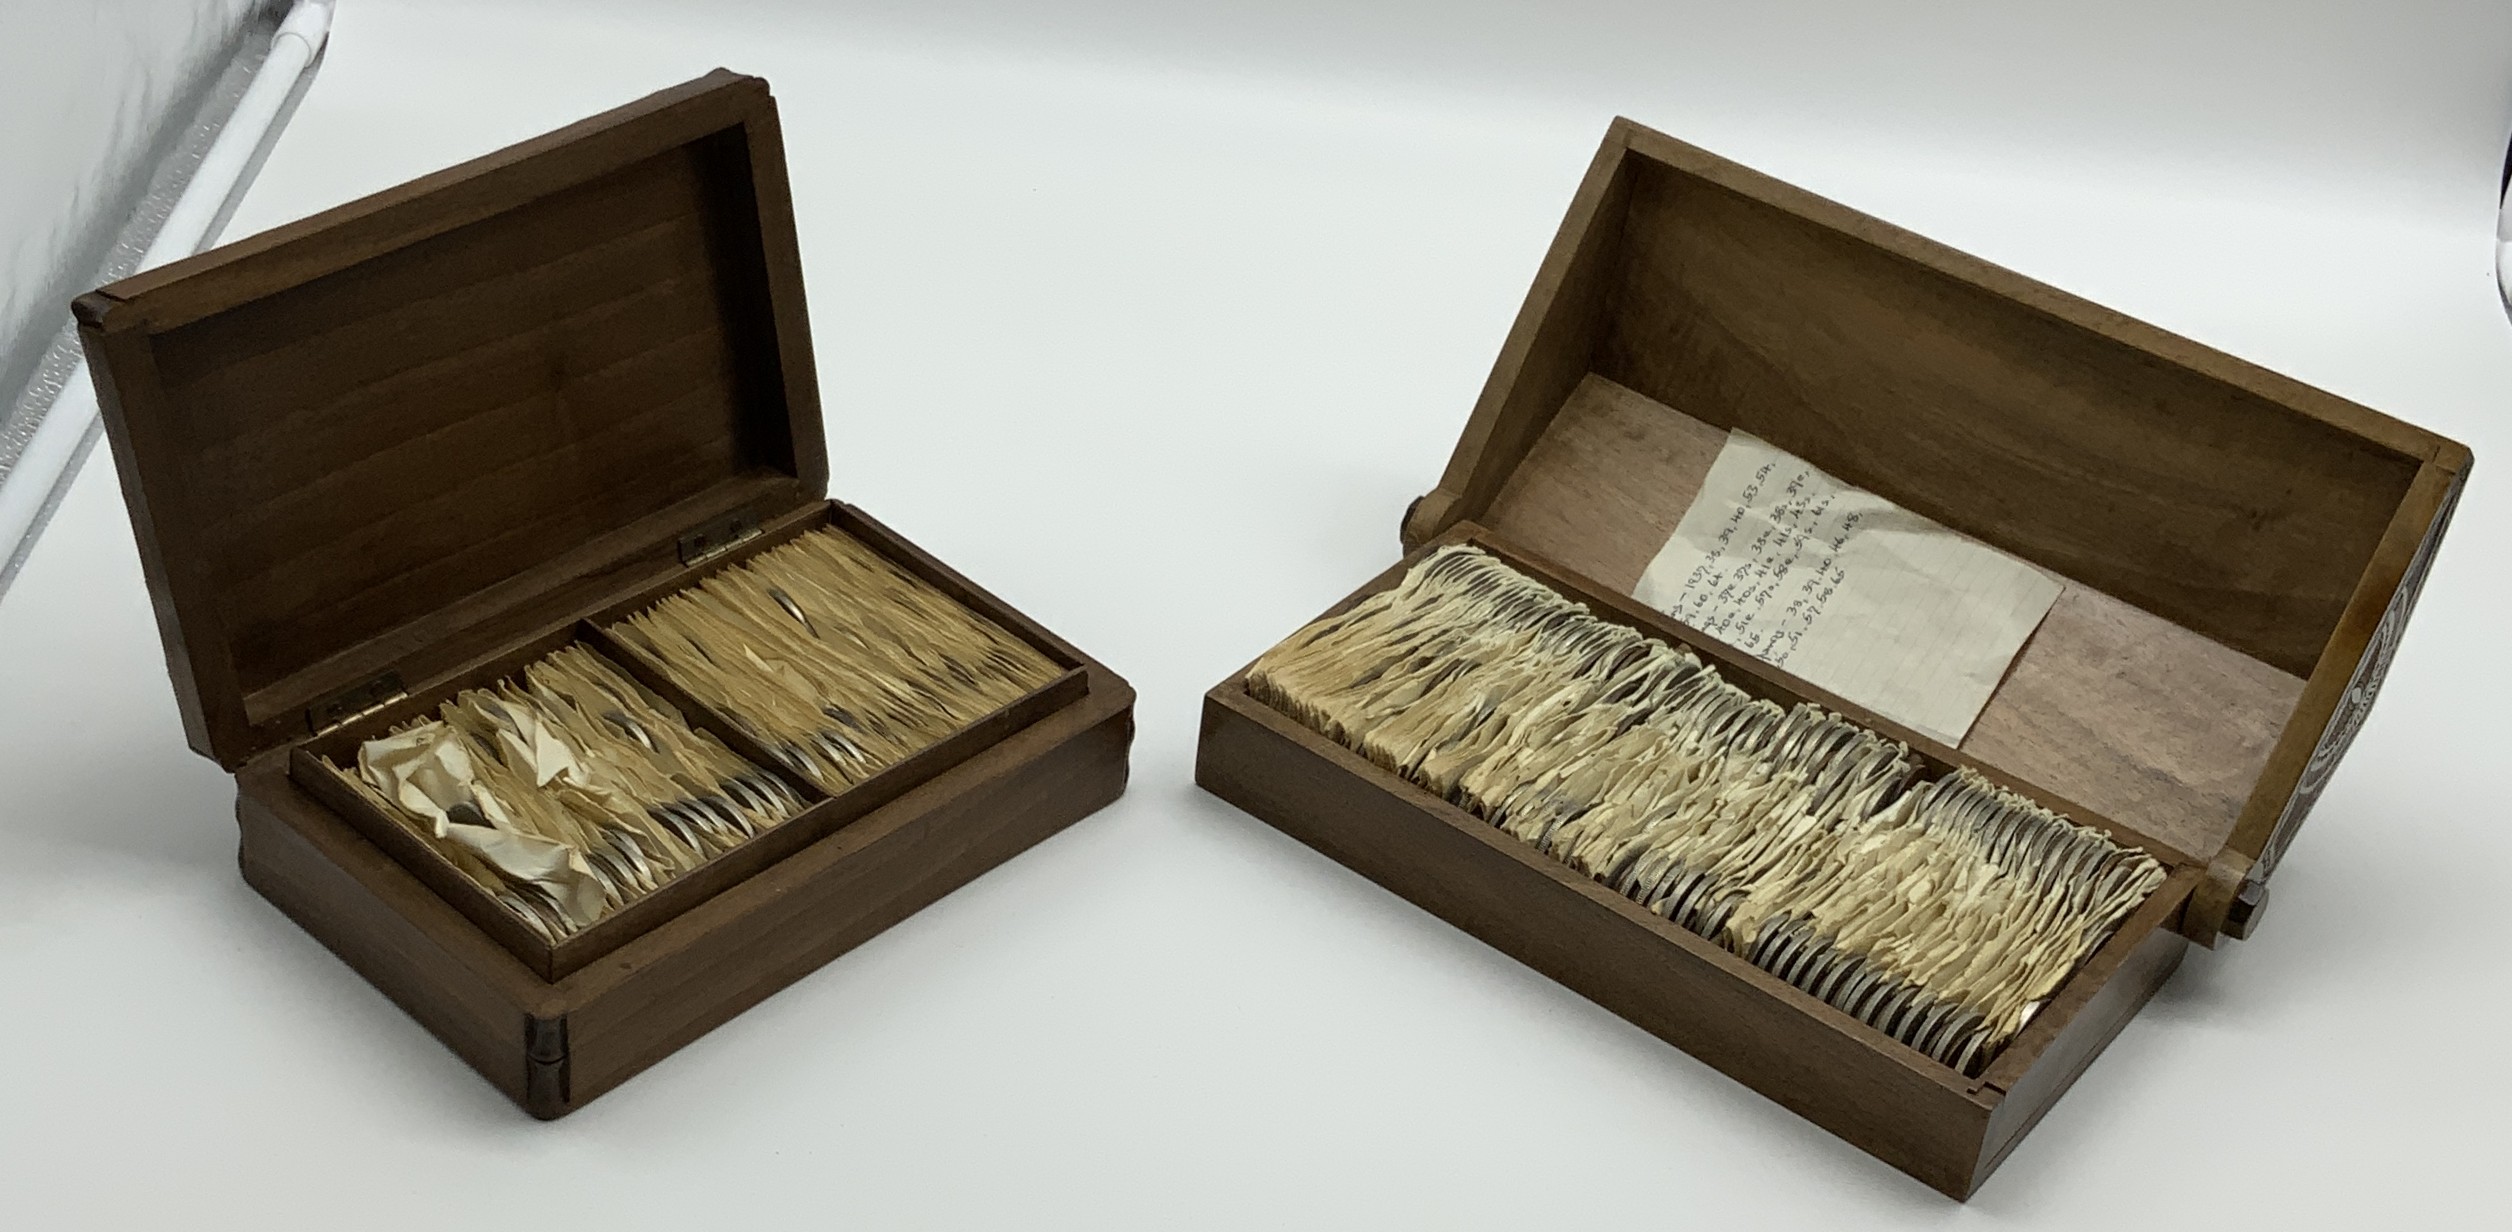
<point x="1847" y="589"/>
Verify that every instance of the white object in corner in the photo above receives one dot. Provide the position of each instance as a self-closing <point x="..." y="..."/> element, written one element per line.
<point x="2503" y="250"/>
<point x="61" y="439"/>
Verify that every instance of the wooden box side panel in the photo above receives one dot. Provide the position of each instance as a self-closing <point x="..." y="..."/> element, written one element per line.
<point x="2089" y="1030"/>
<point x="2342" y="689"/>
<point x="1900" y="1109"/>
<point x="364" y="907"/>
<point x="746" y="944"/>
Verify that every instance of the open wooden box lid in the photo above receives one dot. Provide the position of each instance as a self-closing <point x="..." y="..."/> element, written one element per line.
<point x="2240" y="552"/>
<point x="359" y="448"/>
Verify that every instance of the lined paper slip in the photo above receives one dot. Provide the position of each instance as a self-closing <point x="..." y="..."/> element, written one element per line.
<point x="1846" y="589"/>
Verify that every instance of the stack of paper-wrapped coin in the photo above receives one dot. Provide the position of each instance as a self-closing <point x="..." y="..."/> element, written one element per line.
<point x="835" y="660"/>
<point x="1941" y="912"/>
<point x="568" y="790"/>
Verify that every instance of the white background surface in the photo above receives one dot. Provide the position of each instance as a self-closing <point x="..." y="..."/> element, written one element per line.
<point x="1152" y="324"/>
<point x="91" y="95"/>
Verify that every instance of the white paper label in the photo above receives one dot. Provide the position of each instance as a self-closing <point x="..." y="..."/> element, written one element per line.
<point x="1846" y="589"/>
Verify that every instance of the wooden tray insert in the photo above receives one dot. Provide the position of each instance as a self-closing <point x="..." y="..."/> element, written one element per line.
<point x="312" y="764"/>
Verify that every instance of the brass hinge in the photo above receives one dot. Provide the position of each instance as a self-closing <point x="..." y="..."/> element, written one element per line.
<point x="717" y="537"/>
<point x="350" y="705"/>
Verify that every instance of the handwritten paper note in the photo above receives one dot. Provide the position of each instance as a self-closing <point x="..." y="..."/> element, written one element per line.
<point x="1846" y="589"/>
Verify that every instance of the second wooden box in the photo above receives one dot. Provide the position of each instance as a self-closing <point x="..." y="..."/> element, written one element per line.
<point x="2237" y="555"/>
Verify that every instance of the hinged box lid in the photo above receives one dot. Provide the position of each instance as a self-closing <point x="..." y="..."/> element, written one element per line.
<point x="358" y="448"/>
<point x="2240" y="551"/>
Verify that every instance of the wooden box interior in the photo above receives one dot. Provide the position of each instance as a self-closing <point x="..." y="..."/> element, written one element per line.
<point x="2111" y="707"/>
<point x="2228" y="539"/>
<point x="312" y="763"/>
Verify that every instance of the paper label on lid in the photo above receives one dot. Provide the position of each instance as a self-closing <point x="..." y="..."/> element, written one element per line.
<point x="1847" y="590"/>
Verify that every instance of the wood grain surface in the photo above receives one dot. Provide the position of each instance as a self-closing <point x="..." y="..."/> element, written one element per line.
<point x="2196" y="499"/>
<point x="2148" y="723"/>
<point x="2236" y="544"/>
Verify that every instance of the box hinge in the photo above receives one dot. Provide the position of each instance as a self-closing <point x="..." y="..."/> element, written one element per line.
<point x="717" y="537"/>
<point x="545" y="1077"/>
<point x="1429" y="514"/>
<point x="350" y="705"/>
<point x="2228" y="903"/>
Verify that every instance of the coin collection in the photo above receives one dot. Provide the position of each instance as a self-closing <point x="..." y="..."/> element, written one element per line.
<point x="1942" y="912"/>
<point x="568" y="790"/>
<point x="838" y="662"/>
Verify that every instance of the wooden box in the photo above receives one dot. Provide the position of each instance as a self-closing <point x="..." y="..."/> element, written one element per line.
<point x="2240" y="554"/>
<point x="408" y="445"/>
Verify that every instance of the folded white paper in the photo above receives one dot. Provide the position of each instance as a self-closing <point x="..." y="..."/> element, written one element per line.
<point x="1846" y="589"/>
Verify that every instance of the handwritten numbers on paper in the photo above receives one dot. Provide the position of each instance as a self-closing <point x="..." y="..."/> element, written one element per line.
<point x="1762" y="589"/>
<point x="1846" y="589"/>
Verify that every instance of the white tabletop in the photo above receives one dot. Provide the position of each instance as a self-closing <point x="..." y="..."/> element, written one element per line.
<point x="1153" y="327"/>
